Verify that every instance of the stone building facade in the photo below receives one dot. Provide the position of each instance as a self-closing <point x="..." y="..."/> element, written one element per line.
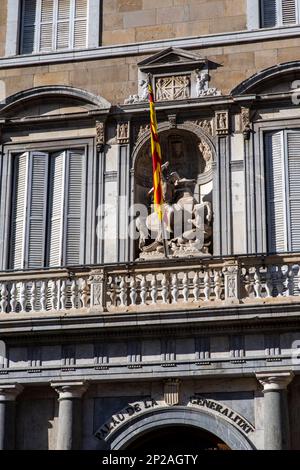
<point x="104" y="343"/>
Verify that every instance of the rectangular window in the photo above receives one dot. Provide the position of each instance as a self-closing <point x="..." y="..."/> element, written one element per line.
<point x="283" y="190"/>
<point x="279" y="13"/>
<point x="53" y="25"/>
<point x="47" y="209"/>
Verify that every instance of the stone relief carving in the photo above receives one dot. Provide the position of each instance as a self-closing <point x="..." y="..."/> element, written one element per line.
<point x="207" y="155"/>
<point x="100" y="135"/>
<point x="206" y="125"/>
<point x="245" y="122"/>
<point x="191" y="239"/>
<point x="173" y="88"/>
<point x="123" y="133"/>
<point x="142" y="96"/>
<point x="202" y="85"/>
<point x="222" y="123"/>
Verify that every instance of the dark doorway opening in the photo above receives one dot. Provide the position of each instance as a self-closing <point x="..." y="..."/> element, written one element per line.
<point x="177" y="439"/>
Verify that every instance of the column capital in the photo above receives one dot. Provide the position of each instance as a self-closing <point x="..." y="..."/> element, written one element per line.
<point x="70" y="389"/>
<point x="273" y="381"/>
<point x="9" y="392"/>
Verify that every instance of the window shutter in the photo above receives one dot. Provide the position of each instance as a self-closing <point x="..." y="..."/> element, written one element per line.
<point x="80" y="23"/>
<point x="269" y="13"/>
<point x="37" y="204"/>
<point x="276" y="192"/>
<point x="63" y="24"/>
<point x="73" y="210"/>
<point x="46" y="28"/>
<point x="28" y="35"/>
<point x="17" y="258"/>
<point x="56" y="209"/>
<point x="289" y="12"/>
<point x="293" y="146"/>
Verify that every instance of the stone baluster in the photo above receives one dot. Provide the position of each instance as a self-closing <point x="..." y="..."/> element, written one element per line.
<point x="154" y="290"/>
<point x="218" y="285"/>
<point x="113" y="292"/>
<point x="174" y="290"/>
<point x="185" y="288"/>
<point x="4" y="297"/>
<point x="44" y="286"/>
<point x="269" y="284"/>
<point x="13" y="297"/>
<point x="207" y="286"/>
<point x="257" y="284"/>
<point x="84" y="293"/>
<point x="143" y="290"/>
<point x="279" y="281"/>
<point x="8" y="395"/>
<point x="69" y="414"/>
<point x="133" y="293"/>
<point x="276" y="416"/>
<point x="33" y="296"/>
<point x="164" y="289"/>
<point x="53" y="292"/>
<point x="123" y="292"/>
<point x="23" y="296"/>
<point x="63" y="295"/>
<point x="74" y="293"/>
<point x="196" y="287"/>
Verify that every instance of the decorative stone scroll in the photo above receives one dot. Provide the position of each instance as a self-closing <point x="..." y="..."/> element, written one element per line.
<point x="100" y="135"/>
<point x="245" y="123"/>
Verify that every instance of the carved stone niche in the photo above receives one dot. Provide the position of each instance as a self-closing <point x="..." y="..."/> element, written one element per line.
<point x="187" y="176"/>
<point x="177" y="75"/>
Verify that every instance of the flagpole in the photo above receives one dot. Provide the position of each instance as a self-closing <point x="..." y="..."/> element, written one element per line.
<point x="156" y="157"/>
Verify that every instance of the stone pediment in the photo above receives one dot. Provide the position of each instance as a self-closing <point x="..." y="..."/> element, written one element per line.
<point x="172" y="58"/>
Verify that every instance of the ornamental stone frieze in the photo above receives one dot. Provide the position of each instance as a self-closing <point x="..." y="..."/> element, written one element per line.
<point x="222" y="123"/>
<point x="123" y="133"/>
<point x="100" y="135"/>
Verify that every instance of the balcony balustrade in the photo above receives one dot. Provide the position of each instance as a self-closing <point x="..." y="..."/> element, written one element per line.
<point x="168" y="284"/>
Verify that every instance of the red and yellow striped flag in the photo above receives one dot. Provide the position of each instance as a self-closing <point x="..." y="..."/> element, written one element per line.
<point x="156" y="157"/>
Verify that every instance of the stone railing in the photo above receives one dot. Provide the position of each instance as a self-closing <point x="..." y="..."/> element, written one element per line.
<point x="160" y="285"/>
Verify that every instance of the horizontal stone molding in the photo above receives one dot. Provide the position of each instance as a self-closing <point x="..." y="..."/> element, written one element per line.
<point x="150" y="47"/>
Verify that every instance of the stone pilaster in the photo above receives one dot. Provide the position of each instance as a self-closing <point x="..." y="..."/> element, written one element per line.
<point x="8" y="395"/>
<point x="69" y="416"/>
<point x="276" y="419"/>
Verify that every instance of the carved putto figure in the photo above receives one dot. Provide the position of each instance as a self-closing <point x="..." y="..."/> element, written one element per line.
<point x="206" y="154"/>
<point x="184" y="239"/>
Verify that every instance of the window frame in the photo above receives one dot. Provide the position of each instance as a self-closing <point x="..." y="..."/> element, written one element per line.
<point x="279" y="19"/>
<point x="14" y="24"/>
<point x="51" y="149"/>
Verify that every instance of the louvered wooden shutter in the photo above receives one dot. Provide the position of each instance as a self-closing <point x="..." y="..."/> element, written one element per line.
<point x="56" y="209"/>
<point x="46" y="25"/>
<point x="293" y="146"/>
<point x="63" y="24"/>
<point x="73" y="207"/>
<point x="19" y="203"/>
<point x="289" y="11"/>
<point x="276" y="191"/>
<point x="29" y="21"/>
<point x="37" y="209"/>
<point x="269" y="13"/>
<point x="80" y="23"/>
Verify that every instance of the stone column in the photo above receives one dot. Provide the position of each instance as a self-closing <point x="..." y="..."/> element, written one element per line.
<point x="8" y="395"/>
<point x="276" y="419"/>
<point x="69" y="416"/>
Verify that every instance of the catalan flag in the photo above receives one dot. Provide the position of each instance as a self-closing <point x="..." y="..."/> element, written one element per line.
<point x="156" y="156"/>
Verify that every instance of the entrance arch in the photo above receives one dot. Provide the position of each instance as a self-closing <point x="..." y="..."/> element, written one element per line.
<point x="212" y="427"/>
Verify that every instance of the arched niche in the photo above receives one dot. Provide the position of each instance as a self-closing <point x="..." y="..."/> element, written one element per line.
<point x="189" y="151"/>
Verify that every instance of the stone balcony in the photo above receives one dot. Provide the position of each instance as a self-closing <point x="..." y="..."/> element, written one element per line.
<point x="157" y="286"/>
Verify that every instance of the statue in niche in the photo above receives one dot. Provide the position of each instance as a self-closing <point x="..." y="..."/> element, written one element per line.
<point x="188" y="224"/>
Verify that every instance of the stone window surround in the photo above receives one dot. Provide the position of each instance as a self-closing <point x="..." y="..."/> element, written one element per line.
<point x="13" y="26"/>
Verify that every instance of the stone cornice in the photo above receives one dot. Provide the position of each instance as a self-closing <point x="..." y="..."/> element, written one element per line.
<point x="152" y="47"/>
